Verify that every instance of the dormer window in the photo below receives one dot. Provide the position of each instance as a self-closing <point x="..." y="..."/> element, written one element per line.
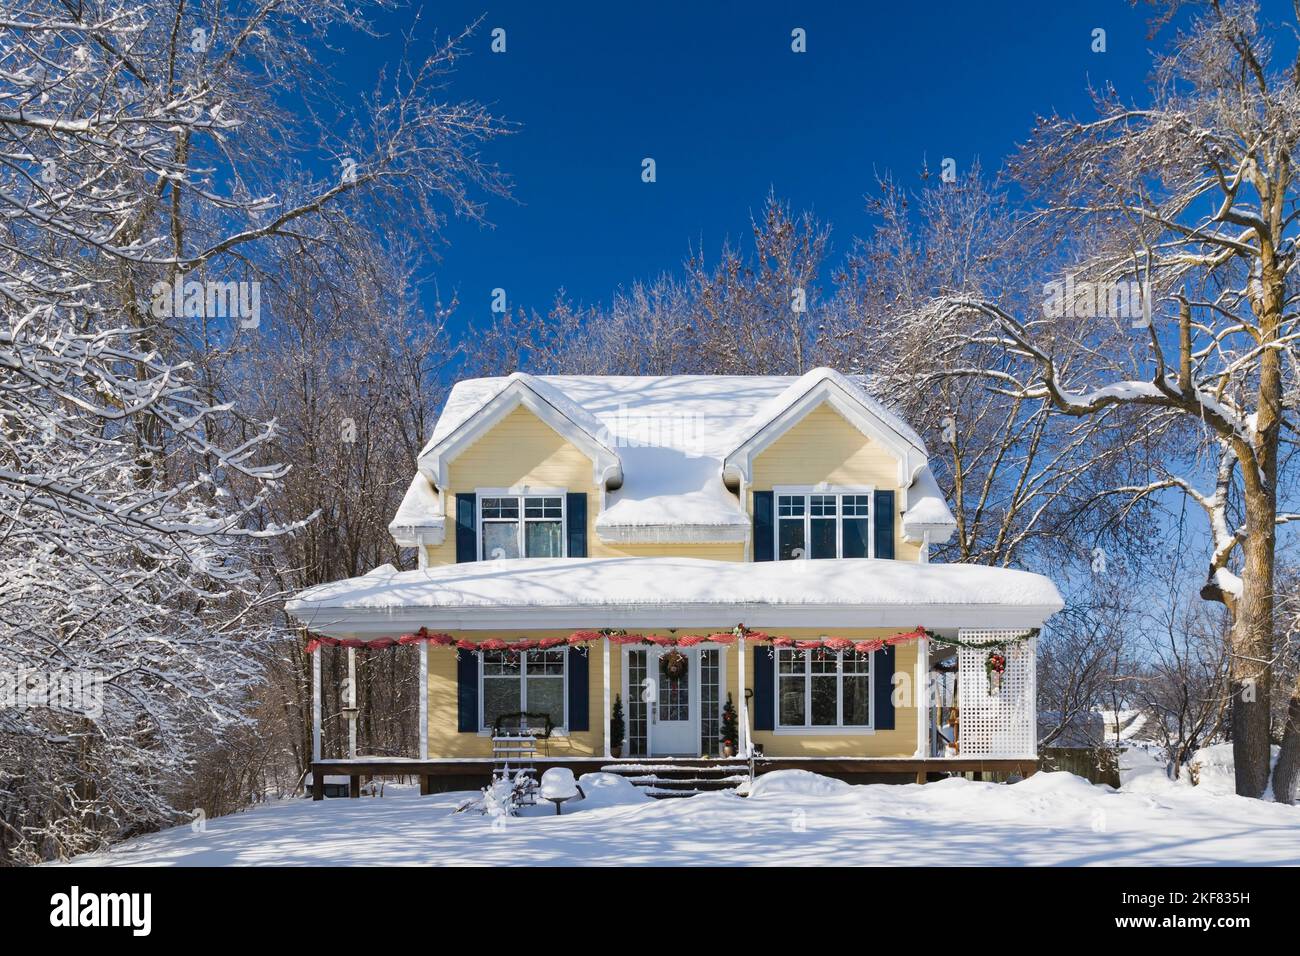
<point x="521" y="526"/>
<point x="823" y="523"/>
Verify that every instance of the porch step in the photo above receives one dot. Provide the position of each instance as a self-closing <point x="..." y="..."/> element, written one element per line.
<point x="665" y="779"/>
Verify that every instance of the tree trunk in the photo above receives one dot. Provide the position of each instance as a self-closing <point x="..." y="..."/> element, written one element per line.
<point x="1287" y="774"/>
<point x="1250" y="672"/>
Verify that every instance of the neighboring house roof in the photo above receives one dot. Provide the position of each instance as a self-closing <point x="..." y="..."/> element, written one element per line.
<point x="676" y="592"/>
<point x="659" y="443"/>
<point x="1097" y="728"/>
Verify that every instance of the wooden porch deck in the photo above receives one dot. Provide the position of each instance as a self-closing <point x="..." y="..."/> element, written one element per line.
<point x="456" y="773"/>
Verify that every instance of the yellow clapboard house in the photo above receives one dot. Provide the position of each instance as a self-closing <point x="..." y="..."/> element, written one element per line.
<point x="704" y="551"/>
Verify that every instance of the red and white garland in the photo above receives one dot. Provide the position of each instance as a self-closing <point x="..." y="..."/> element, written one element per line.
<point x="583" y="638"/>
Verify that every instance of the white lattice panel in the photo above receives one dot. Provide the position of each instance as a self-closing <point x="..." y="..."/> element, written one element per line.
<point x="997" y="723"/>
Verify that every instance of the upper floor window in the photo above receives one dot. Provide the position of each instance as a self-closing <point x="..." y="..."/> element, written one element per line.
<point x="522" y="526"/>
<point x="824" y="524"/>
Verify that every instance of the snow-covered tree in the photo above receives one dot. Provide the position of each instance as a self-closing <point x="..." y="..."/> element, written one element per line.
<point x="152" y="174"/>
<point x="1181" y="312"/>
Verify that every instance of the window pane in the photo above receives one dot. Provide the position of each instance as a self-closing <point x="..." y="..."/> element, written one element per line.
<point x="791" y="691"/>
<point x="543" y="539"/>
<point x="857" y="505"/>
<point x="822" y="505"/>
<point x="546" y="696"/>
<point x="790" y="540"/>
<point x="501" y="695"/>
<point x="790" y="661"/>
<point x="823" y="701"/>
<point x="855" y="537"/>
<point x="546" y="662"/>
<point x="542" y="508"/>
<point x="823" y="537"/>
<point x="855" y="663"/>
<point x="500" y="507"/>
<point x="856" y="710"/>
<point x="825" y="662"/>
<point x="787" y="505"/>
<point x="500" y="662"/>
<point x="500" y="540"/>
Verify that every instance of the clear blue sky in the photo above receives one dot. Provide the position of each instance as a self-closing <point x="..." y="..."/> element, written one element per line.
<point x="713" y="92"/>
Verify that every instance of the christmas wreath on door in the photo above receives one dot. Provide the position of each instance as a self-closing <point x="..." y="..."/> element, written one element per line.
<point x="673" y="665"/>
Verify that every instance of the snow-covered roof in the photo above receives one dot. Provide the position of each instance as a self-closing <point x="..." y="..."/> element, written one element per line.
<point x="677" y="592"/>
<point x="419" y="519"/>
<point x="660" y="442"/>
<point x="927" y="510"/>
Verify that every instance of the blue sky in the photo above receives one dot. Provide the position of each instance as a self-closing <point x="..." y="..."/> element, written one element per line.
<point x="713" y="92"/>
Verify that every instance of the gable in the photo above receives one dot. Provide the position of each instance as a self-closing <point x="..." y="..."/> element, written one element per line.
<point x="518" y="450"/>
<point x="824" y="446"/>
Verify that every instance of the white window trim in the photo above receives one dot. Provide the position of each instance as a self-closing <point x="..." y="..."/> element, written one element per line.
<point x="809" y="729"/>
<point x="521" y="493"/>
<point x="561" y="730"/>
<point x="823" y="489"/>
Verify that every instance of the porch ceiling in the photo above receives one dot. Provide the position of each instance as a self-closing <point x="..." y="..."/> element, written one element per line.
<point x="661" y="593"/>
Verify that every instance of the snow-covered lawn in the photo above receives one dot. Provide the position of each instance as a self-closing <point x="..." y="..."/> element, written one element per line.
<point x="792" y="818"/>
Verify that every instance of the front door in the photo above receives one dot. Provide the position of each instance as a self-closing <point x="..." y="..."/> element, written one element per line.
<point x="673" y="702"/>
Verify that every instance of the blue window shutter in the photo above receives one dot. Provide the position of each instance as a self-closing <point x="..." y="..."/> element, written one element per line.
<point x="466" y="527"/>
<point x="764" y="679"/>
<point x="466" y="692"/>
<point x="883" y="691"/>
<point x="883" y="508"/>
<point x="579" y="716"/>
<point x="764" y="549"/>
<point x="575" y="511"/>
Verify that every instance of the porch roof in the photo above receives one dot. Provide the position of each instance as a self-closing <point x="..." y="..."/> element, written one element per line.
<point x="661" y="593"/>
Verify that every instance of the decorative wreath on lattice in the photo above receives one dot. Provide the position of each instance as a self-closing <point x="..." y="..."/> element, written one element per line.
<point x="995" y="666"/>
<point x="673" y="665"/>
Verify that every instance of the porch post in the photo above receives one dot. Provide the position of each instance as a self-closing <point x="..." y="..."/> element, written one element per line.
<point x="604" y="653"/>
<point x="317" y="780"/>
<point x="315" y="704"/>
<point x="424" y="700"/>
<point x="352" y="703"/>
<point x="743" y="750"/>
<point x="923" y="698"/>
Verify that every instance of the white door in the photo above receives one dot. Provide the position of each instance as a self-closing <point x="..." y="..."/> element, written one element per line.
<point x="674" y="702"/>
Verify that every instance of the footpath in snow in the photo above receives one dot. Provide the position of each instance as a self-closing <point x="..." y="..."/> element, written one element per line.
<point x="792" y="818"/>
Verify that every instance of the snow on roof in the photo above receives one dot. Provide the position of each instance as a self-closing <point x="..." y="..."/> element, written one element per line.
<point x="420" y="511"/>
<point x="671" y="435"/>
<point x="927" y="510"/>
<point x="677" y="592"/>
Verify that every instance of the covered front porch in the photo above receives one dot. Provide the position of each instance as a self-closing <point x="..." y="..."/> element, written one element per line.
<point x="854" y="666"/>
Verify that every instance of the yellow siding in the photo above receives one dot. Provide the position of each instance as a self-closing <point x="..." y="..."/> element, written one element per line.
<point x="446" y="741"/>
<point x="823" y="446"/>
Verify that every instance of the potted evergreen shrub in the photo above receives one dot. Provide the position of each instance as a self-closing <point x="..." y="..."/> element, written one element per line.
<point x="729" y="730"/>
<point x="616" y="727"/>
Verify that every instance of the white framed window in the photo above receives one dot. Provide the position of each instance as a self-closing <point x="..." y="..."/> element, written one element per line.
<point x="822" y="690"/>
<point x="823" y="523"/>
<point x="533" y="682"/>
<point x="512" y="525"/>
